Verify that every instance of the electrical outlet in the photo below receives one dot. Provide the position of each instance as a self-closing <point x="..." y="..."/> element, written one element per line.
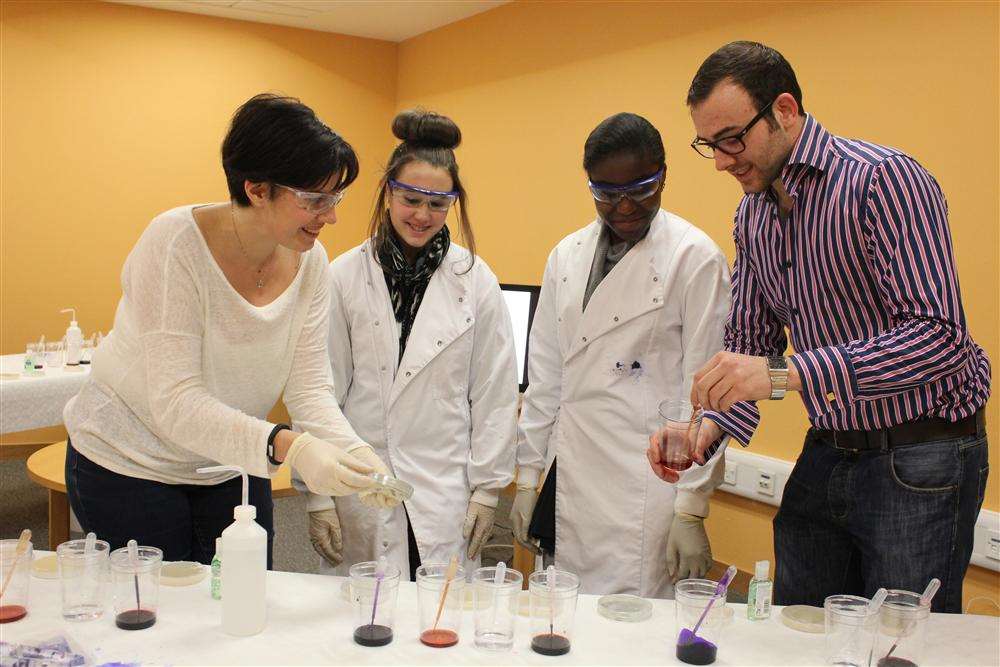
<point x="994" y="545"/>
<point x="730" y="477"/>
<point x="765" y="483"/>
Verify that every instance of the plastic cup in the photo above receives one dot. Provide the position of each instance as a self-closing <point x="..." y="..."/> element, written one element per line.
<point x="552" y="611"/>
<point x="679" y="433"/>
<point x="15" y="571"/>
<point x="81" y="577"/>
<point x="495" y="607"/>
<point x="430" y="585"/>
<point x="850" y="630"/>
<point x="373" y="629"/>
<point x="902" y="629"/>
<point x="136" y="587"/>
<point x="692" y="597"/>
<point x="54" y="354"/>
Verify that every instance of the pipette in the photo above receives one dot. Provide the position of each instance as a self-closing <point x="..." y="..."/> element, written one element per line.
<point x="379" y="575"/>
<point x="499" y="577"/>
<point x="550" y="583"/>
<point x="720" y="591"/>
<point x="925" y="599"/>
<point x="133" y="559"/>
<point x="91" y="542"/>
<point x="448" y="576"/>
<point x="22" y="546"/>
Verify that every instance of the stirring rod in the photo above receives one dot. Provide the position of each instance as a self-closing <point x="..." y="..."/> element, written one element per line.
<point x="550" y="583"/>
<point x="932" y="588"/>
<point x="22" y="546"/>
<point x="133" y="557"/>
<point x="379" y="573"/>
<point x="720" y="590"/>
<point x="499" y="577"/>
<point x="449" y="575"/>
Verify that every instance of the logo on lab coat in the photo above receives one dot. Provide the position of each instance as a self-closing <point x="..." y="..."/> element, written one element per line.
<point x="625" y="369"/>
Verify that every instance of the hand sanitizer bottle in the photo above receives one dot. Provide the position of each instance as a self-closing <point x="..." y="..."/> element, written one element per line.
<point x="759" y="595"/>
<point x="244" y="547"/>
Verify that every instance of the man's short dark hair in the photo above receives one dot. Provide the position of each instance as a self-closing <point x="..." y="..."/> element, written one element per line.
<point x="758" y="69"/>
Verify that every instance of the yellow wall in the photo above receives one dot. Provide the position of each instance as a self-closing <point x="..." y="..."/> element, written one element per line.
<point x="112" y="114"/>
<point x="528" y="81"/>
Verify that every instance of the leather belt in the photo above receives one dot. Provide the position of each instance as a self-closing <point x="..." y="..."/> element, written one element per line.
<point x="907" y="433"/>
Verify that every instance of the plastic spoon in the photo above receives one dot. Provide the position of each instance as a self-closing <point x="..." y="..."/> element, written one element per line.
<point x="22" y="546"/>
<point x="925" y="599"/>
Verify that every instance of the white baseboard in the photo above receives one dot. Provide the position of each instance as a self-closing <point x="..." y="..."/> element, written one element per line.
<point x="762" y="478"/>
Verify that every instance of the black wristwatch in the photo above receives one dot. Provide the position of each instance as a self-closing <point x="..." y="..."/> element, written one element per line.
<point x="270" y="442"/>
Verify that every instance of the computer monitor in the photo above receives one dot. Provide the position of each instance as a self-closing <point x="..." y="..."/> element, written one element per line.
<point x="521" y="301"/>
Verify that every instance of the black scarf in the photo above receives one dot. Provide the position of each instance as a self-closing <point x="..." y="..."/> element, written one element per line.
<point x="408" y="282"/>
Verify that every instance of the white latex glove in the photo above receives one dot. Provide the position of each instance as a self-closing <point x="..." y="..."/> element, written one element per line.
<point x="324" y="533"/>
<point x="478" y="526"/>
<point x="326" y="469"/>
<point x="374" y="498"/>
<point x="520" y="516"/>
<point x="689" y="555"/>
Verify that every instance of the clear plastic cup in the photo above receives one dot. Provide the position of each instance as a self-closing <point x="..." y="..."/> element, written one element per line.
<point x="15" y="575"/>
<point x="440" y="624"/>
<point x="54" y="356"/>
<point x="902" y="630"/>
<point x="136" y="587"/>
<point x="82" y="576"/>
<point x="495" y="607"/>
<point x="692" y="597"/>
<point x="680" y="425"/>
<point x="850" y="630"/>
<point x="552" y="611"/>
<point x="374" y="603"/>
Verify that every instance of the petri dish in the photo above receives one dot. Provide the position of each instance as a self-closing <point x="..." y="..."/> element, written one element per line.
<point x="804" y="618"/>
<point x="390" y="486"/>
<point x="628" y="608"/>
<point x="45" y="567"/>
<point x="182" y="573"/>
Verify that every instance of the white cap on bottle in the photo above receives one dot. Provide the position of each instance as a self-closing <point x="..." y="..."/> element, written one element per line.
<point x="761" y="569"/>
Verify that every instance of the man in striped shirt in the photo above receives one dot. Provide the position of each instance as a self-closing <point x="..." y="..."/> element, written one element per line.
<point x="846" y="244"/>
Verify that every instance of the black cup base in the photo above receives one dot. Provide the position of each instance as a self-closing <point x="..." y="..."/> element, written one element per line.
<point x="550" y="644"/>
<point x="135" y="619"/>
<point x="373" y="635"/>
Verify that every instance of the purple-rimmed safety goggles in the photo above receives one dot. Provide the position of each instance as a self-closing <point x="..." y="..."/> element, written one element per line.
<point x="643" y="188"/>
<point x="414" y="197"/>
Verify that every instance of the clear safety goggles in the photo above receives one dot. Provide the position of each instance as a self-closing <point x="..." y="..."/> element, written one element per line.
<point x="636" y="191"/>
<point x="315" y="202"/>
<point x="413" y="197"/>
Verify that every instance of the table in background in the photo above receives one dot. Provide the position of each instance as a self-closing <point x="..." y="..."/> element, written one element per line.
<point x="310" y="623"/>
<point x="29" y="402"/>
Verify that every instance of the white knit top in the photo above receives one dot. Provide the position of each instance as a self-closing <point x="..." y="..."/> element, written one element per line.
<point x="191" y="369"/>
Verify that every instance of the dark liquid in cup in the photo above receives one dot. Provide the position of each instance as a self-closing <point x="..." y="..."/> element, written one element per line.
<point x="697" y="652"/>
<point x="896" y="662"/>
<point x="550" y="644"/>
<point x="135" y="619"/>
<point x="373" y="635"/>
<point x="12" y="612"/>
<point x="439" y="638"/>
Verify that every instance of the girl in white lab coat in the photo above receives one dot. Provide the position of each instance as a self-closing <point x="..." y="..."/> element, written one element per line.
<point x="424" y="366"/>
<point x="631" y="306"/>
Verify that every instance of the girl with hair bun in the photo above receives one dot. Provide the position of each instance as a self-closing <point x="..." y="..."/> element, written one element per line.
<point x="424" y="366"/>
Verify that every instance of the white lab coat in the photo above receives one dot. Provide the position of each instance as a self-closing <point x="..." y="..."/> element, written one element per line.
<point x="444" y="420"/>
<point x="596" y="379"/>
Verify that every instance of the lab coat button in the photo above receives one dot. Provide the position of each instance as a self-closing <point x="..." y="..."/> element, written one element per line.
<point x="584" y="339"/>
<point x="461" y="299"/>
<point x="439" y="343"/>
<point x="616" y="318"/>
<point x="376" y="322"/>
<point x="407" y="373"/>
<point x="383" y="369"/>
<point x="655" y="300"/>
<point x="564" y="278"/>
<point x="468" y="319"/>
<point x="656" y="279"/>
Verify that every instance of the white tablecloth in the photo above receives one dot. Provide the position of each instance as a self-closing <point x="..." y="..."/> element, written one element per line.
<point x="309" y="623"/>
<point x="28" y="402"/>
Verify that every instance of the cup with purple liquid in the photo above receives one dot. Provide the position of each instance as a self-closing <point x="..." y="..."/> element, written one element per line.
<point x="701" y="613"/>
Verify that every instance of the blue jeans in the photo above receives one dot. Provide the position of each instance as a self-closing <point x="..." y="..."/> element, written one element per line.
<point x="181" y="519"/>
<point x="852" y="522"/>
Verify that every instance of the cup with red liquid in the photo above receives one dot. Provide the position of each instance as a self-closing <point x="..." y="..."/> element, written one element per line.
<point x="135" y="580"/>
<point x="441" y="603"/>
<point x="678" y="433"/>
<point x="15" y="575"/>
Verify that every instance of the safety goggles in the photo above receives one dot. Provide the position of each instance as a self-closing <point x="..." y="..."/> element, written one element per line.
<point x="315" y="202"/>
<point x="413" y="197"/>
<point x="636" y="191"/>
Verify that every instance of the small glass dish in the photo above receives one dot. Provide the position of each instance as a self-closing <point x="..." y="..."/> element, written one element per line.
<point x="390" y="486"/>
<point x="621" y="607"/>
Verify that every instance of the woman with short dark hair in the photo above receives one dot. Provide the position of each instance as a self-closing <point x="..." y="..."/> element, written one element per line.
<point x="223" y="312"/>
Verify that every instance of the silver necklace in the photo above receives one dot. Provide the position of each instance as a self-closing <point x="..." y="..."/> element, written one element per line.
<point x="260" y="269"/>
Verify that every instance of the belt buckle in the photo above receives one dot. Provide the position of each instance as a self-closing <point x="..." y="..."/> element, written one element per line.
<point x="837" y="445"/>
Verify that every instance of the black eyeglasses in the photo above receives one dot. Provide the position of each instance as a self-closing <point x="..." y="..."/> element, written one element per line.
<point x="731" y="145"/>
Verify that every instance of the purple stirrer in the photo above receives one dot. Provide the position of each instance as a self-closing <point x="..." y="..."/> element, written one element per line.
<point x="687" y="636"/>
<point x="379" y="574"/>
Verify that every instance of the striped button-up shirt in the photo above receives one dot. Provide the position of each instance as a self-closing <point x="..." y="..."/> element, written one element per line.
<point x="863" y="276"/>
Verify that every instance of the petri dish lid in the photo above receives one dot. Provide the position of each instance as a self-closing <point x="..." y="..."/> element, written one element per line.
<point x="396" y="488"/>
<point x="623" y="607"/>
<point x="45" y="567"/>
<point x="804" y="618"/>
<point x="182" y="573"/>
